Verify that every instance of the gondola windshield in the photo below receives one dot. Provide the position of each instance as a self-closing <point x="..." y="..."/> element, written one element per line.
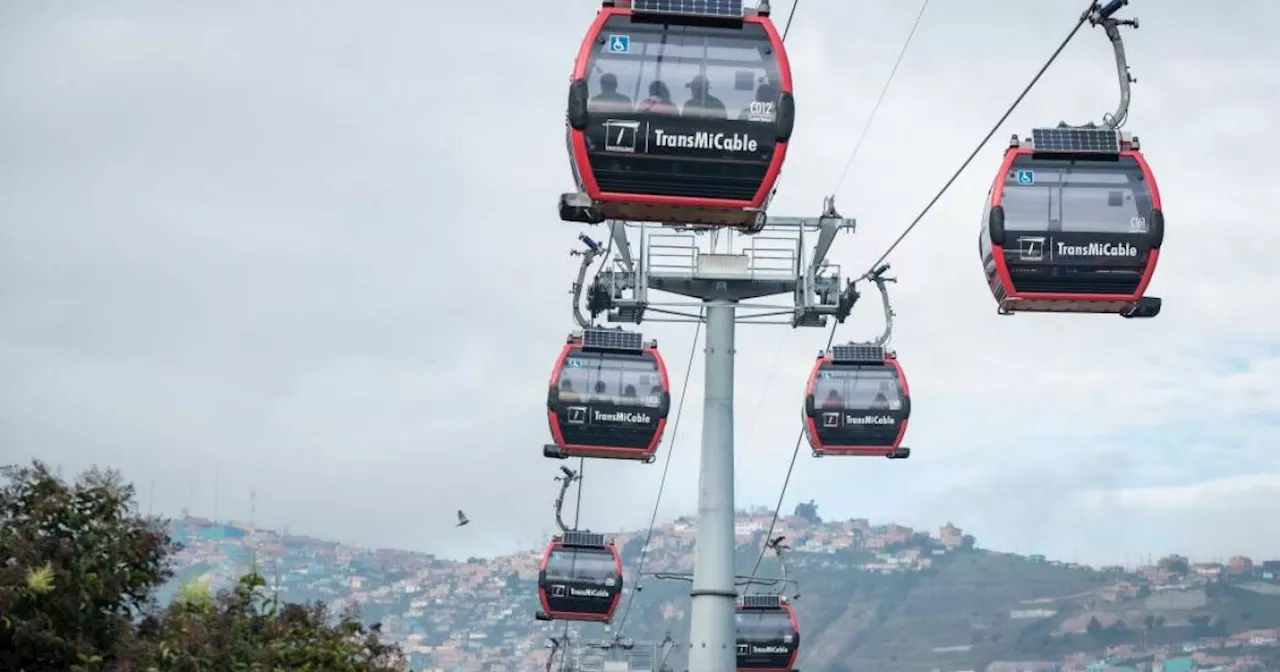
<point x="858" y="388"/>
<point x="1111" y="197"/>
<point x="582" y="565"/>
<point x="762" y="627"/>
<point x="691" y="72"/>
<point x="595" y="378"/>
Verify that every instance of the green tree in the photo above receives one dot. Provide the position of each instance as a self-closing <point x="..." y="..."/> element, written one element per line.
<point x="244" y="628"/>
<point x="77" y="594"/>
<point x="808" y="511"/>
<point x="80" y="564"/>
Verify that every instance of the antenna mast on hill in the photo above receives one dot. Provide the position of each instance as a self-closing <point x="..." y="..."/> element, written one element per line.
<point x="253" y="508"/>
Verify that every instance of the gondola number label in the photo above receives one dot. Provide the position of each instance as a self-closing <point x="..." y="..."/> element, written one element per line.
<point x="1138" y="225"/>
<point x="575" y="363"/>
<point x="619" y="44"/>
<point x="760" y="111"/>
<point x="1027" y="177"/>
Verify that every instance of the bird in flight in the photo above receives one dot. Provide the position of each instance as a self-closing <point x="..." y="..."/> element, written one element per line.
<point x="462" y="519"/>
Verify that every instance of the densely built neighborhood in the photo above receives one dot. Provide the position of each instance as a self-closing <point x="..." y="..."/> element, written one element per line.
<point x="477" y="615"/>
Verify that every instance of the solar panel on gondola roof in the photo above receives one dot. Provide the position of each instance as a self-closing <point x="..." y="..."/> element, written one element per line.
<point x="612" y="339"/>
<point x="716" y="8"/>
<point x="858" y="353"/>
<point x="1076" y="140"/>
<point x="576" y="538"/>
<point x="761" y="602"/>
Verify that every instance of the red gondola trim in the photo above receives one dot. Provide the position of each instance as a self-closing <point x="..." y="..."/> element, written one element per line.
<point x="569" y="615"/>
<point x="580" y="450"/>
<point x="578" y="139"/>
<point x="1002" y="267"/>
<point x="811" y="427"/>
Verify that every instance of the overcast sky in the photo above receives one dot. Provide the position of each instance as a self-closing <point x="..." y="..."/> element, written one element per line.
<point x="311" y="249"/>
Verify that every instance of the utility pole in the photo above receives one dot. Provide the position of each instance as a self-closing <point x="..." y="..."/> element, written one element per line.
<point x="727" y="283"/>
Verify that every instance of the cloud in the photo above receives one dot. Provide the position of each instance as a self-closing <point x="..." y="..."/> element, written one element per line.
<point x="310" y="251"/>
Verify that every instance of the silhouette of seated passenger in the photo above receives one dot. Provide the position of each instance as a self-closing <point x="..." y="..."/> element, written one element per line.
<point x="881" y="400"/>
<point x="629" y="395"/>
<point x="701" y="103"/>
<point x="567" y="392"/>
<point x="659" y="100"/>
<point x="833" y="401"/>
<point x="654" y="399"/>
<point x="601" y="392"/>
<point x="609" y="100"/>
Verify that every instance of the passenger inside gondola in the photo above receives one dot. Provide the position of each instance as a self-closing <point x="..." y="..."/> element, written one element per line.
<point x="881" y="400"/>
<point x="701" y="103"/>
<point x="566" y="391"/>
<point x="629" y="395"/>
<point x="833" y="401"/>
<point x="654" y="399"/>
<point x="609" y="99"/>
<point x="659" y="100"/>
<point x="601" y="392"/>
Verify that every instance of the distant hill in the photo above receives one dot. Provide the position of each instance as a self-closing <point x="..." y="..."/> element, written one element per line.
<point x="872" y="598"/>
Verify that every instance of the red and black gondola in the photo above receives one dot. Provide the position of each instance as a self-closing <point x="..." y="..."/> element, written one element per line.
<point x="609" y="397"/>
<point x="1073" y="224"/>
<point x="768" y="634"/>
<point x="857" y="403"/>
<point x="580" y="578"/>
<point x="638" y="153"/>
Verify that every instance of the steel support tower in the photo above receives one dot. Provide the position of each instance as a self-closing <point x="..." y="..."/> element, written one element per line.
<point x="727" y="274"/>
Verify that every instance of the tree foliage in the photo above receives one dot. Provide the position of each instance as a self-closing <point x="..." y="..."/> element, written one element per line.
<point x="80" y="564"/>
<point x="77" y="583"/>
<point x="808" y="511"/>
<point x="245" y="628"/>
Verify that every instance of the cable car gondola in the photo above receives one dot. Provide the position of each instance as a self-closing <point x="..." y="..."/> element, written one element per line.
<point x="1073" y="224"/>
<point x="609" y="397"/>
<point x="768" y="634"/>
<point x="857" y="403"/>
<point x="639" y="152"/>
<point x="580" y="578"/>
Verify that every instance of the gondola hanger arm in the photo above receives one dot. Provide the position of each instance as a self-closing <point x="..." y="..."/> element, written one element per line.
<point x="566" y="479"/>
<point x="877" y="276"/>
<point x="588" y="256"/>
<point x="1104" y="15"/>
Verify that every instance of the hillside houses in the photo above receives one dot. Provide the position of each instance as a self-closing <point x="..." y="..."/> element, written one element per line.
<point x="458" y="616"/>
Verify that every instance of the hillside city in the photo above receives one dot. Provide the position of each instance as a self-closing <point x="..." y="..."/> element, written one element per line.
<point x="477" y="615"/>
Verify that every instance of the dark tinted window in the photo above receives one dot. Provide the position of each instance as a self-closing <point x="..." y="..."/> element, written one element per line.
<point x="593" y="377"/>
<point x="657" y="71"/>
<point x="1076" y="196"/>
<point x="856" y="387"/>
<point x="581" y="564"/>
<point x="763" y="625"/>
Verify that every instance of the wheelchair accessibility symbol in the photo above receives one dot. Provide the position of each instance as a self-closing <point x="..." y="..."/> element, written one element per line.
<point x="619" y="44"/>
